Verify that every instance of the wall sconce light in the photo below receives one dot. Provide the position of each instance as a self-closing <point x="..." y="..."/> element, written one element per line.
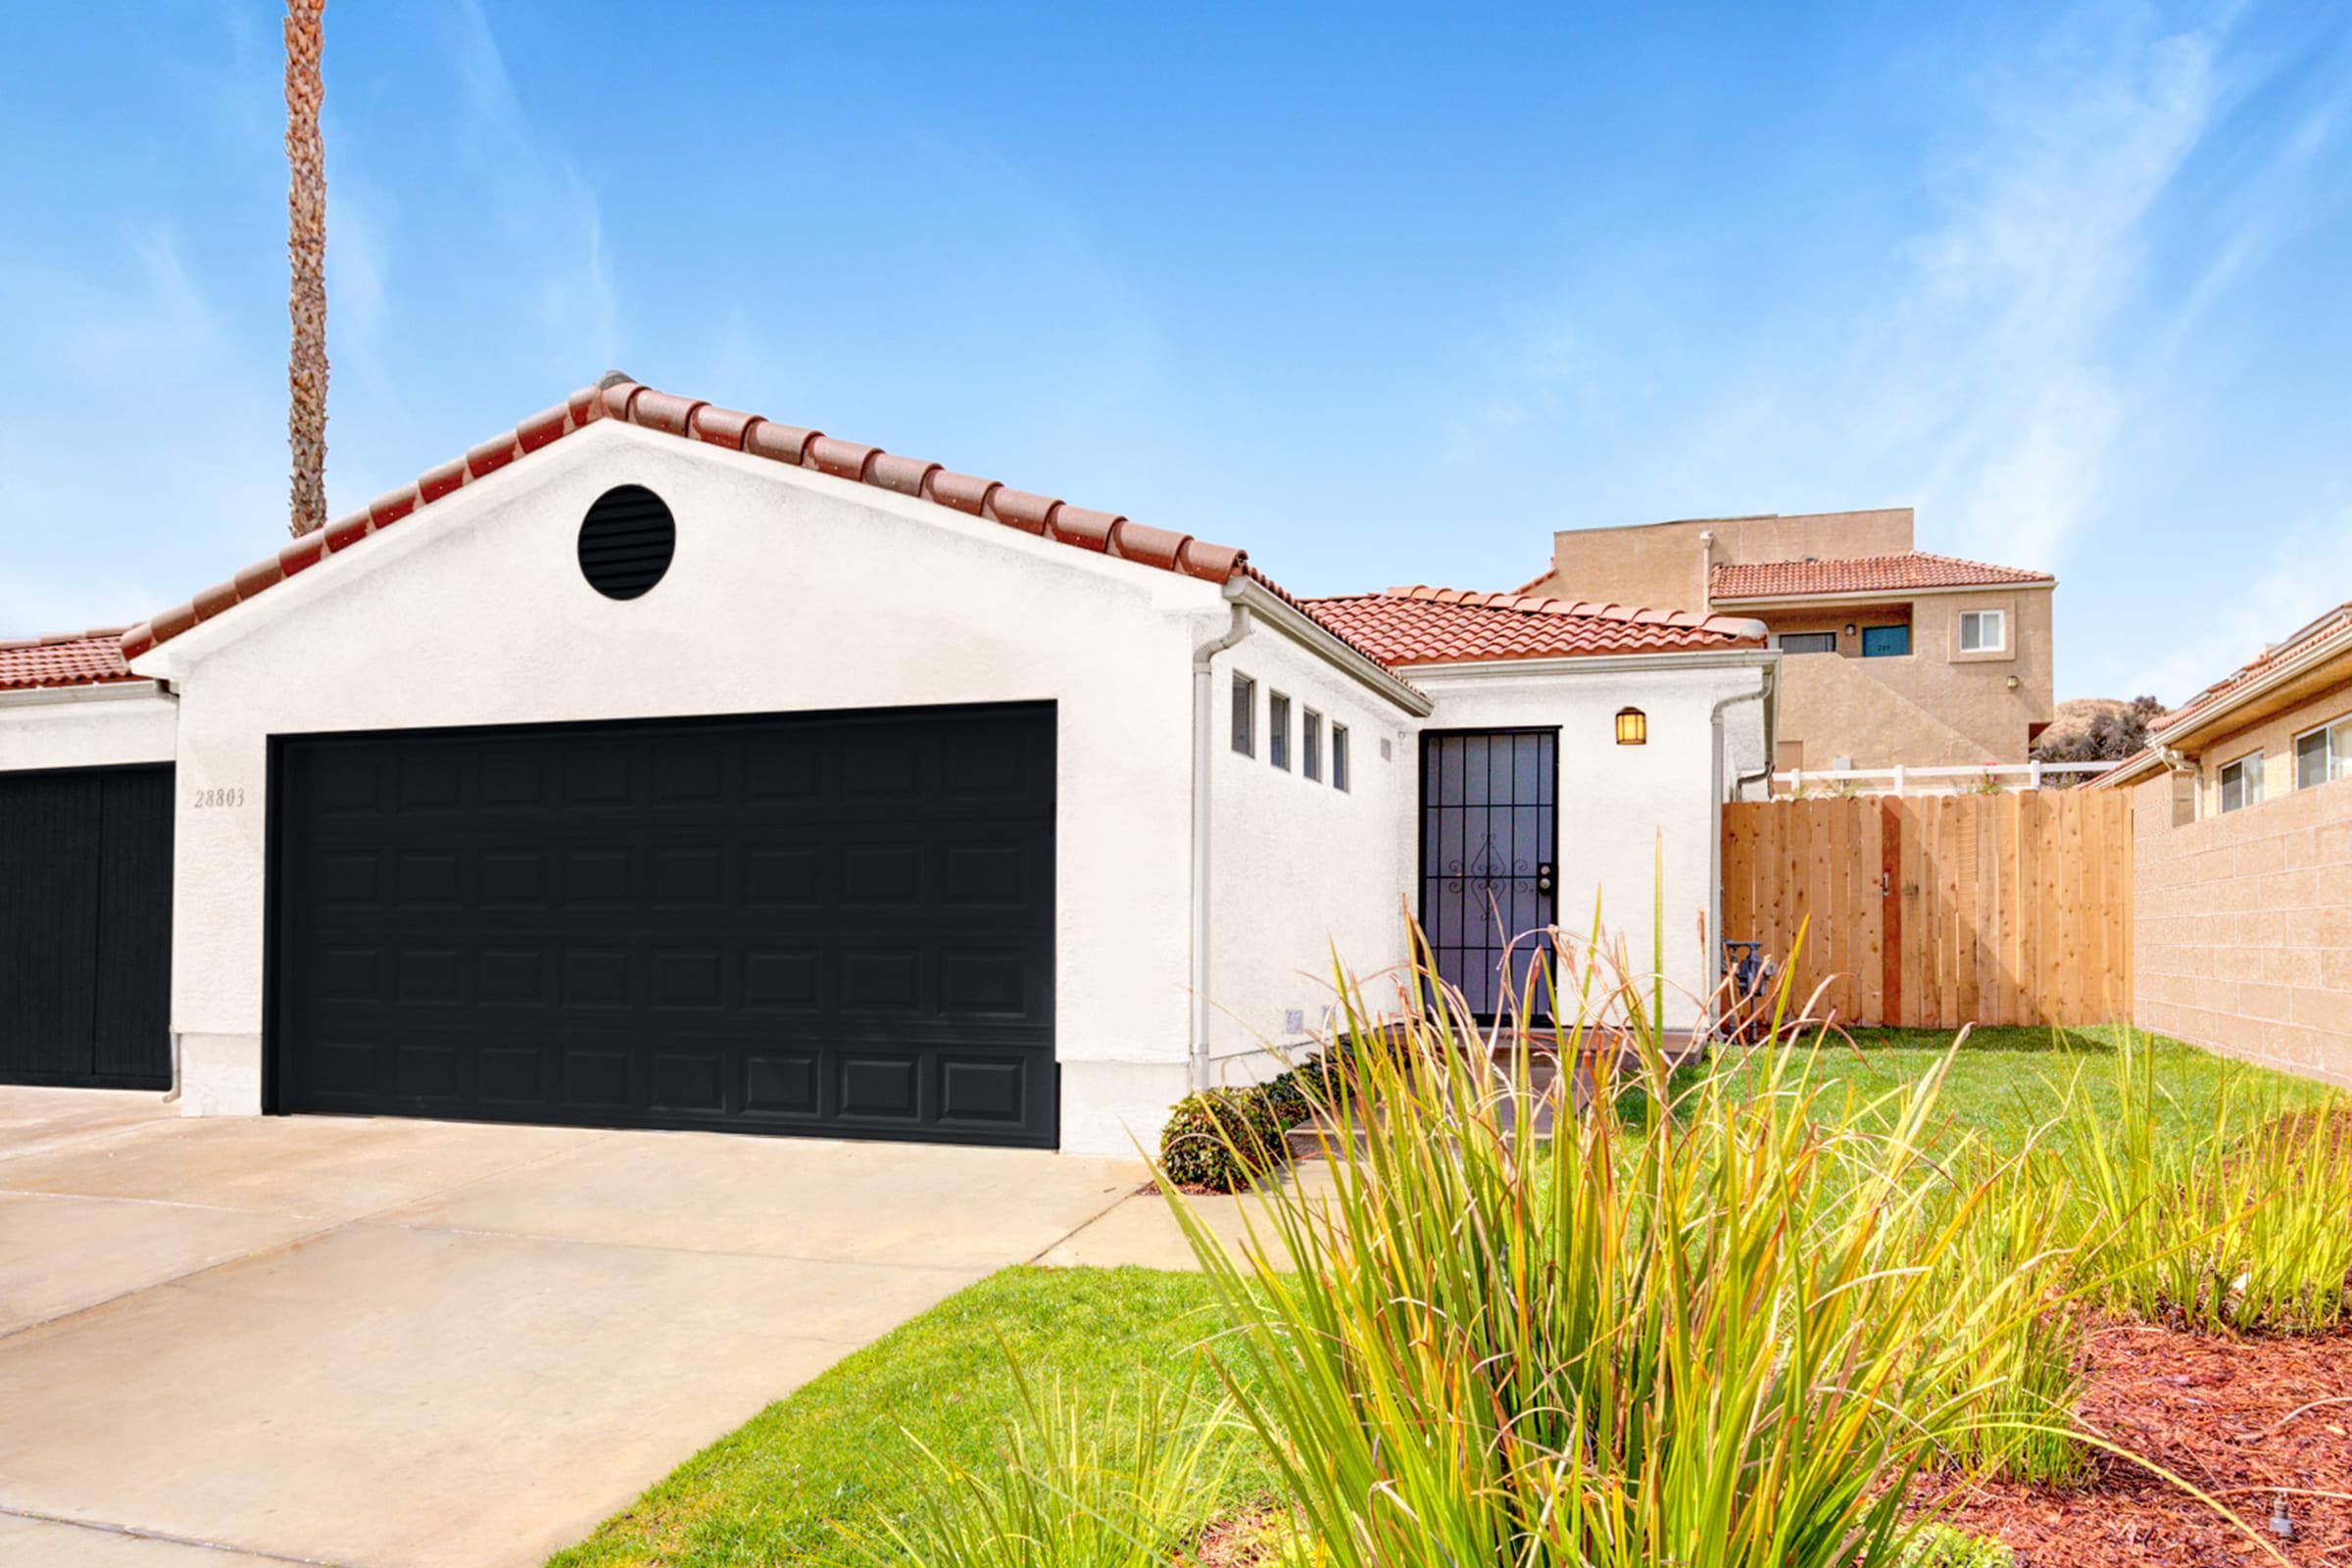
<point x="1849" y="628"/>
<point x="1633" y="727"/>
<point x="2013" y="683"/>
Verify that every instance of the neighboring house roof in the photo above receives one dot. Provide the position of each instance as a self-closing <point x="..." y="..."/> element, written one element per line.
<point x="66" y="658"/>
<point x="617" y="397"/>
<point x="1861" y="575"/>
<point x="2325" y="637"/>
<point x="1407" y="626"/>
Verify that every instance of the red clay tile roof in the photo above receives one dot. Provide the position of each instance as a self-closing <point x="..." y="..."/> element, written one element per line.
<point x="617" y="397"/>
<point x="1407" y="626"/>
<point x="1861" y="575"/>
<point x="68" y="658"/>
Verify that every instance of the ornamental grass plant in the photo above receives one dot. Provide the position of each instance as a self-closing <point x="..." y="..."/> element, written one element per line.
<point x="1725" y="1337"/>
<point x="1073" y="1486"/>
<point x="2241" y="1224"/>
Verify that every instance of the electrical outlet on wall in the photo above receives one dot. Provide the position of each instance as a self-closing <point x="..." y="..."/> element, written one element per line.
<point x="1295" y="1021"/>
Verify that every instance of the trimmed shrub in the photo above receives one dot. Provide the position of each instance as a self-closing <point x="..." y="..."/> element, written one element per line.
<point x="1289" y="1097"/>
<point x="1221" y="1140"/>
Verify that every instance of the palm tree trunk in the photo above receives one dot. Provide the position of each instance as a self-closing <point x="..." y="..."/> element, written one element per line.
<point x="306" y="246"/>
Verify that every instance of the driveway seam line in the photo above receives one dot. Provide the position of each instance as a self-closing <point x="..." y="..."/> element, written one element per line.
<point x="93" y="1136"/>
<point x="683" y="1251"/>
<point x="1121" y="1197"/>
<point x="116" y="1197"/>
<point x="139" y="1533"/>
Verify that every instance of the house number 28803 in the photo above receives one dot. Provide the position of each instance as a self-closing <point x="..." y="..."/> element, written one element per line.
<point x="216" y="799"/>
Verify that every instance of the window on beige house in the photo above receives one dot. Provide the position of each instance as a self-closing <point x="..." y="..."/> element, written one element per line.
<point x="2324" y="754"/>
<point x="1808" y="642"/>
<point x="2241" y="782"/>
<point x="1984" y="631"/>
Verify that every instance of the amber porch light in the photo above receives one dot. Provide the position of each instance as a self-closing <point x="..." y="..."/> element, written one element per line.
<point x="1633" y="727"/>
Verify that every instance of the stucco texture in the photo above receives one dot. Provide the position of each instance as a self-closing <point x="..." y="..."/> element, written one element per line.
<point x="795" y="592"/>
<point x="1935" y="706"/>
<point x="1303" y="874"/>
<point x="790" y="592"/>
<point x="106" y="726"/>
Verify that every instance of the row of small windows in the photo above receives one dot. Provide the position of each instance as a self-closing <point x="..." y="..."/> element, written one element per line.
<point x="1982" y="631"/>
<point x="1278" y="734"/>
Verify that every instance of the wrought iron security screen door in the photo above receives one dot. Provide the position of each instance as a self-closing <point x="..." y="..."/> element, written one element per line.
<point x="1489" y="820"/>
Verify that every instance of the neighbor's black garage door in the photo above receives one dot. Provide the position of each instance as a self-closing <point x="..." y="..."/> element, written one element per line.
<point x="829" y="924"/>
<point x="86" y="927"/>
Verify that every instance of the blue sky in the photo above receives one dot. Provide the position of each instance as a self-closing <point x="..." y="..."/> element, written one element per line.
<point x="1384" y="295"/>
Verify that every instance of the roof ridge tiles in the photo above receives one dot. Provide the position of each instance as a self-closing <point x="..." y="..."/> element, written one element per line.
<point x="1541" y="604"/>
<point x="617" y="396"/>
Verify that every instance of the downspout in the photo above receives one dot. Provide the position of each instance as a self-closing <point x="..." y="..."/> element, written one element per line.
<point x="1763" y="694"/>
<point x="1203" y="741"/>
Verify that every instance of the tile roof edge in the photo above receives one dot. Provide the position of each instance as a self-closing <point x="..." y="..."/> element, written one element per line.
<point x="2014" y="576"/>
<point x="1250" y="573"/>
<point x="2313" y="637"/>
<point x="617" y="397"/>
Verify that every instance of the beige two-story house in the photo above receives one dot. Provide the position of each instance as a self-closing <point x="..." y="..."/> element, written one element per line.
<point x="1896" y="656"/>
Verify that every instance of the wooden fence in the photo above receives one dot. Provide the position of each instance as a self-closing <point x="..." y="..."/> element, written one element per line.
<point x="1932" y="913"/>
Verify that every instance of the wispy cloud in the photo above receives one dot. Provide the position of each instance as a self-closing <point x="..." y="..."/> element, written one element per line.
<point x="1983" y="367"/>
<point x="549" y="204"/>
<point x="142" y="342"/>
<point x="2306" y="568"/>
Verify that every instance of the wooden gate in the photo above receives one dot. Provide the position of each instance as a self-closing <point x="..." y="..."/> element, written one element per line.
<point x="1938" y="910"/>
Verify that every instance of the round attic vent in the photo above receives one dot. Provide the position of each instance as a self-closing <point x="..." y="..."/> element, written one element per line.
<point x="626" y="541"/>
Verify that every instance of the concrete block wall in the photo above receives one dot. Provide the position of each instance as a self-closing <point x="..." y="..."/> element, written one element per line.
<point x="2242" y="927"/>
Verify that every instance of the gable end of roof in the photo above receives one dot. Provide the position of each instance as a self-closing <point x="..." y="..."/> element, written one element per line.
<point x="619" y="398"/>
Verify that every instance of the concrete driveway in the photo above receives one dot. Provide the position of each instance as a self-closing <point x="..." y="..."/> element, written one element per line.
<point x="372" y="1341"/>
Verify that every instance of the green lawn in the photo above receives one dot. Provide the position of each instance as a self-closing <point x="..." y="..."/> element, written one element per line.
<point x="838" y="1449"/>
<point x="2001" y="1083"/>
<point x="767" y="1492"/>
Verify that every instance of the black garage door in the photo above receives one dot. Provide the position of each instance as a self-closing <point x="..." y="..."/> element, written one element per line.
<point x="837" y="924"/>
<point x="86" y="927"/>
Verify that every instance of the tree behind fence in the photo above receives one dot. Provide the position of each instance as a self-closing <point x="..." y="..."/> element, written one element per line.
<point x="1938" y="912"/>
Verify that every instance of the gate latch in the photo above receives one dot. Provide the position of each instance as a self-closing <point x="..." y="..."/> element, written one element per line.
<point x="1542" y="876"/>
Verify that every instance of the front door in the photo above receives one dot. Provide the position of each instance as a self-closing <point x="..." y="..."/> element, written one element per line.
<point x="1489" y="821"/>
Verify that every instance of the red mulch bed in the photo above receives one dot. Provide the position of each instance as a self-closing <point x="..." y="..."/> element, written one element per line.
<point x="2236" y="1418"/>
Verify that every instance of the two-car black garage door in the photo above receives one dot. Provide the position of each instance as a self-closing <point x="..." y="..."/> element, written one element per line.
<point x="837" y="924"/>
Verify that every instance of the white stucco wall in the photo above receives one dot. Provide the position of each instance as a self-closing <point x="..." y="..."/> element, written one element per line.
<point x="88" y="726"/>
<point x="1298" y="866"/>
<point x="1618" y="803"/>
<point x="790" y="591"/>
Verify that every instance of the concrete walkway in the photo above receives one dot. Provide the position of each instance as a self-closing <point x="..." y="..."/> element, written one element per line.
<point x="1142" y="1231"/>
<point x="375" y="1342"/>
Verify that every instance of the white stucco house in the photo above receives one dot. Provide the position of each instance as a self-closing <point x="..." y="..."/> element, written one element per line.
<point x="657" y="764"/>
